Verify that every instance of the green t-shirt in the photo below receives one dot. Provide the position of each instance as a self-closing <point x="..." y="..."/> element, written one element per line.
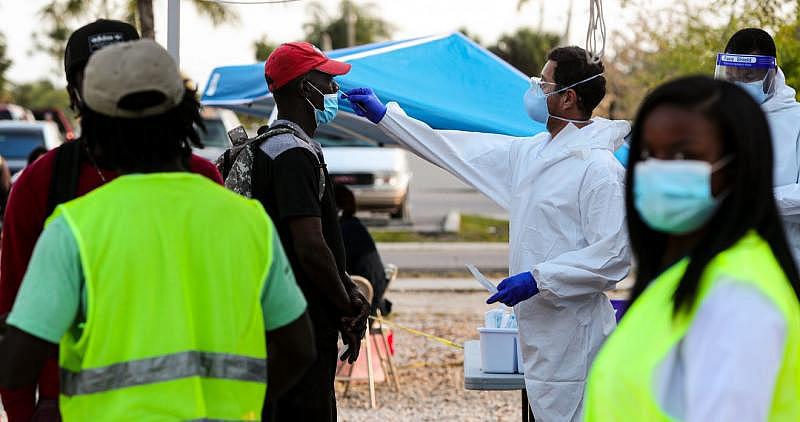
<point x="52" y="298"/>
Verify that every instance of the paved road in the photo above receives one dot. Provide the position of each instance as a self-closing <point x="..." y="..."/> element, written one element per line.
<point x="434" y="193"/>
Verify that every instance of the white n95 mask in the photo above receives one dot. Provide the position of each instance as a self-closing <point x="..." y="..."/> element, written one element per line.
<point x="535" y="100"/>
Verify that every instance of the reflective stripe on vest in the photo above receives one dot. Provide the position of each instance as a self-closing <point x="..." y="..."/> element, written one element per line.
<point x="624" y="374"/>
<point x="163" y="368"/>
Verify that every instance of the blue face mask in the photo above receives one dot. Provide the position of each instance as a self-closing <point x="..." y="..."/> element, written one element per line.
<point x="330" y="105"/>
<point x="535" y="101"/>
<point x="755" y="89"/>
<point x="674" y="196"/>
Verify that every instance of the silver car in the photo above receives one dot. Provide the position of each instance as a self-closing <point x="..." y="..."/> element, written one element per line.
<point x="378" y="176"/>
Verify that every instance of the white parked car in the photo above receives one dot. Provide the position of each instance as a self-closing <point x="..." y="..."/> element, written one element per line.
<point x="218" y="122"/>
<point x="378" y="176"/>
<point x="18" y="138"/>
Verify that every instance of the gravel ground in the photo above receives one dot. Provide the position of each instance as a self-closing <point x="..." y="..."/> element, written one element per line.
<point x="431" y="374"/>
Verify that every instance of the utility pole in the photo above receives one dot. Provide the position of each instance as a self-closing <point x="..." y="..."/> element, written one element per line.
<point x="174" y="30"/>
<point x="350" y="19"/>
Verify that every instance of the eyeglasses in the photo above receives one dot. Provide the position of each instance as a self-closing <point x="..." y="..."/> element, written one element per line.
<point x="537" y="80"/>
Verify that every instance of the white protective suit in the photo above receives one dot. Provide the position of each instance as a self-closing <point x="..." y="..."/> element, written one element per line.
<point x="783" y="114"/>
<point x="566" y="203"/>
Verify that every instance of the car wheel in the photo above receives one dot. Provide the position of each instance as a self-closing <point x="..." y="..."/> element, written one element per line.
<point x="402" y="212"/>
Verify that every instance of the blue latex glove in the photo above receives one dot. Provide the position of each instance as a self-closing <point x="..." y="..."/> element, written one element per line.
<point x="515" y="289"/>
<point x="366" y="104"/>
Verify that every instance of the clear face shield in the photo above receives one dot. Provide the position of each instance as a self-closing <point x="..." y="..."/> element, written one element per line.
<point x="755" y="74"/>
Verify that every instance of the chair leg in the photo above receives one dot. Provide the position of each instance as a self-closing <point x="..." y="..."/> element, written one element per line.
<point x="370" y="374"/>
<point x="383" y="359"/>
<point x="349" y="380"/>
<point x="392" y="371"/>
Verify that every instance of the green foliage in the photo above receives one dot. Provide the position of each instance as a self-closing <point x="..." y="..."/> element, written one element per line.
<point x="525" y="49"/>
<point x="40" y="94"/>
<point x="787" y="40"/>
<point x="684" y="40"/>
<point x="326" y="31"/>
<point x="469" y="34"/>
<point x="5" y="63"/>
<point x="263" y="48"/>
<point x="58" y="18"/>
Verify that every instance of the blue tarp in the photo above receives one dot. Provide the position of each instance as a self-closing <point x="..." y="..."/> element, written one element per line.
<point x="446" y="81"/>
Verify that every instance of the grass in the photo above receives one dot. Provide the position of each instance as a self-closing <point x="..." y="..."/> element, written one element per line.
<point x="474" y="228"/>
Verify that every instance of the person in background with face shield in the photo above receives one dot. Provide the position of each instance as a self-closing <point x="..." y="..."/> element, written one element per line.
<point x="713" y="332"/>
<point x="563" y="189"/>
<point x="291" y="181"/>
<point x="750" y="62"/>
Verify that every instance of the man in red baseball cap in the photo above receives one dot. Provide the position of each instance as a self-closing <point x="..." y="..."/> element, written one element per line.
<point x="290" y="179"/>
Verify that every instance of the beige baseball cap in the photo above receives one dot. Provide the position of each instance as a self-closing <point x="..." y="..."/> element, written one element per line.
<point x="132" y="79"/>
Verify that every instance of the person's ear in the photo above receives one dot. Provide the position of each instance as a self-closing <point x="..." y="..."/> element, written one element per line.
<point x="569" y="99"/>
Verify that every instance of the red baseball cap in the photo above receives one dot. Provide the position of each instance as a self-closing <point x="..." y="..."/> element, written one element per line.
<point x="295" y="59"/>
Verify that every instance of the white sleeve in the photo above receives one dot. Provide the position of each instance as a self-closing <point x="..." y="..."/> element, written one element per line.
<point x="605" y="260"/>
<point x="732" y="353"/>
<point x="787" y="197"/>
<point x="481" y="160"/>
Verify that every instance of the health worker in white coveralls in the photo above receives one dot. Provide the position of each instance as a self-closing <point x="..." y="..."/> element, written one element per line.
<point x="750" y="61"/>
<point x="564" y="192"/>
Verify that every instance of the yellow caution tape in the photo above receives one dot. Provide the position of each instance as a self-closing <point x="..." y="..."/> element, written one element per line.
<point x="444" y="341"/>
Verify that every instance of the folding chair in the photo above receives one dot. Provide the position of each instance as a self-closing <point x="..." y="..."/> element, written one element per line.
<point x="366" y="289"/>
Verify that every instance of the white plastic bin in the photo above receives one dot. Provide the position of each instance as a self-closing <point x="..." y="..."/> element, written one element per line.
<point x="520" y="366"/>
<point x="498" y="350"/>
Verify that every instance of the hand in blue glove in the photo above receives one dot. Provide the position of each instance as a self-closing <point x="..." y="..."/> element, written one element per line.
<point x="515" y="289"/>
<point x="366" y="104"/>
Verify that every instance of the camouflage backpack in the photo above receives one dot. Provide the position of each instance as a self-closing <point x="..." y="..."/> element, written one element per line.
<point x="236" y="163"/>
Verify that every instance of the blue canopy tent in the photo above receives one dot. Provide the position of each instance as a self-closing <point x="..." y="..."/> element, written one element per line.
<point x="447" y="81"/>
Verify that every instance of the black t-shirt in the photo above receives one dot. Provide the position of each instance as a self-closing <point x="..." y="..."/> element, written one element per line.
<point x="286" y="180"/>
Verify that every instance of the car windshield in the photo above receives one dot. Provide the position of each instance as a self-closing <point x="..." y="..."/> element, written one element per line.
<point x="329" y="141"/>
<point x="16" y="143"/>
<point x="215" y="134"/>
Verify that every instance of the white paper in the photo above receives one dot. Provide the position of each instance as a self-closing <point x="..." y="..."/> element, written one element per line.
<point x="488" y="285"/>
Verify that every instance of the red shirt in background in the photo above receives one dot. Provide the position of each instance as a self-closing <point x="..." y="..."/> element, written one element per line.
<point x="25" y="214"/>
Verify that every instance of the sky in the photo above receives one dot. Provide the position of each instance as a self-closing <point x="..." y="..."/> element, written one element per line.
<point x="204" y="46"/>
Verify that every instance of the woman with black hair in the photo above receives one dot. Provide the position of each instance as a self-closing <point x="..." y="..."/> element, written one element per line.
<point x="713" y="332"/>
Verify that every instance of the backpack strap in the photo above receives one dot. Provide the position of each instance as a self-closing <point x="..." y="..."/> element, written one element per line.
<point x="66" y="171"/>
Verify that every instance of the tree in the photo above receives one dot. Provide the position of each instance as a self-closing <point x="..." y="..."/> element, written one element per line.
<point x="471" y="35"/>
<point x="61" y="17"/>
<point x="353" y="25"/>
<point x="5" y="63"/>
<point x="525" y="49"/>
<point x="40" y="94"/>
<point x="263" y="48"/>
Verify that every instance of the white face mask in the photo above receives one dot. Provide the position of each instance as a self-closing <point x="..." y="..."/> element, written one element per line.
<point x="535" y="101"/>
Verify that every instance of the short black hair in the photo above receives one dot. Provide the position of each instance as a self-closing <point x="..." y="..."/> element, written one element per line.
<point x="573" y="65"/>
<point x="749" y="205"/>
<point x="133" y="144"/>
<point x="751" y="41"/>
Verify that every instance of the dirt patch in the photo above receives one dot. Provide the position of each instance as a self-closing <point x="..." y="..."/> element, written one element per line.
<point x="432" y="375"/>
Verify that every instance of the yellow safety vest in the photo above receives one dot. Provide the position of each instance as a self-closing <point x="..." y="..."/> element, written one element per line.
<point x="174" y="266"/>
<point x="621" y="380"/>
